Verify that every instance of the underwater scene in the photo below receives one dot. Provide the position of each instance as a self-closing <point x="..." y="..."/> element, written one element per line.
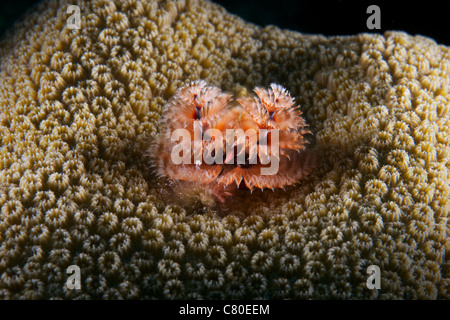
<point x="180" y="149"/>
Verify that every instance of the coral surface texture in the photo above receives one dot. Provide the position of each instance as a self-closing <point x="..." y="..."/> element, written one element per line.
<point x="79" y="108"/>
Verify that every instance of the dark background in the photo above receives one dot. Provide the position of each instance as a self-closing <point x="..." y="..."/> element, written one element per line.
<point x="339" y="17"/>
<point x="345" y="17"/>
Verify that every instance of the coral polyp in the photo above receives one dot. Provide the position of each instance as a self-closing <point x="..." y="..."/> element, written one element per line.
<point x="252" y="142"/>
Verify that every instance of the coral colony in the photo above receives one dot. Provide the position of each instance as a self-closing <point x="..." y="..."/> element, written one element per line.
<point x="254" y="142"/>
<point x="77" y="108"/>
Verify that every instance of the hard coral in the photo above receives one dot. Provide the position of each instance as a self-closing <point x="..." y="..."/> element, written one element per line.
<point x="77" y="109"/>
